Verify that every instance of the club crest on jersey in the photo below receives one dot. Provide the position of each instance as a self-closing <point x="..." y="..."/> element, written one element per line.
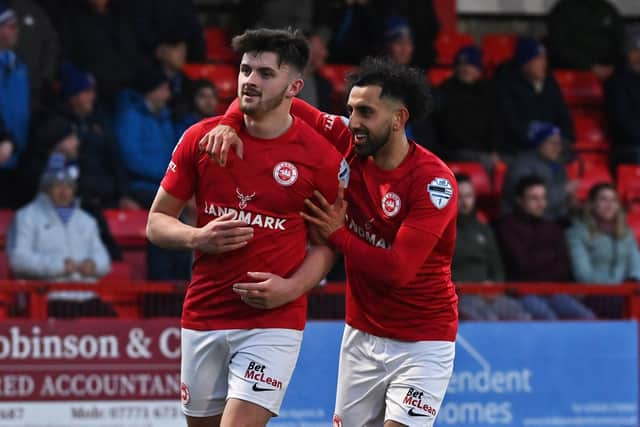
<point x="285" y="173"/>
<point x="391" y="204"/>
<point x="440" y="192"/>
<point x="185" y="395"/>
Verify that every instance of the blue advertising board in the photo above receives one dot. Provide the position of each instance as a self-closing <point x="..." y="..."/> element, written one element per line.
<point x="506" y="374"/>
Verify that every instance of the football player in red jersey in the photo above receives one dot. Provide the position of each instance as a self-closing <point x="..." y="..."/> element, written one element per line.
<point x="397" y="235"/>
<point x="238" y="355"/>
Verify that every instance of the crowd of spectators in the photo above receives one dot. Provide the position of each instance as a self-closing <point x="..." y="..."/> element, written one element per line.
<point x="93" y="97"/>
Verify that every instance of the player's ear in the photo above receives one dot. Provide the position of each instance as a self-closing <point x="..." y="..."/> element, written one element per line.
<point x="400" y="118"/>
<point x="295" y="87"/>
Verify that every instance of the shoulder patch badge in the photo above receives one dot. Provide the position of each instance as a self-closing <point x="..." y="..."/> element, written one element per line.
<point x="440" y="192"/>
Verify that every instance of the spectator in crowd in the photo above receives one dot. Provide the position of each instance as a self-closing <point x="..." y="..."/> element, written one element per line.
<point x="171" y="56"/>
<point x="355" y="26"/>
<point x="622" y="102"/>
<point x="96" y="37"/>
<point x="477" y="259"/>
<point x="151" y="19"/>
<point x="528" y="92"/>
<point x="587" y="35"/>
<point x="603" y="248"/>
<point x="317" y="90"/>
<point x="145" y="132"/>
<point x="37" y="47"/>
<point x="543" y="160"/>
<point x="535" y="250"/>
<point x="14" y="105"/>
<point x="424" y="25"/>
<point x="103" y="181"/>
<point x="277" y="14"/>
<point x="53" y="239"/>
<point x="56" y="135"/>
<point x="398" y="40"/>
<point x="467" y="115"/>
<point x="204" y="104"/>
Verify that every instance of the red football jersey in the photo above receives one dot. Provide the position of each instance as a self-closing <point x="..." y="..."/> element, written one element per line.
<point x="267" y="190"/>
<point x="399" y="239"/>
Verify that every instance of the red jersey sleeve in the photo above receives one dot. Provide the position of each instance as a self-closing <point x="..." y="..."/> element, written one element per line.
<point x="334" y="128"/>
<point x="433" y="206"/>
<point x="180" y="178"/>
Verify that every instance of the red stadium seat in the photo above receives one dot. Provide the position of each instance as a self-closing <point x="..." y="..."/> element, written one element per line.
<point x="497" y="48"/>
<point x="5" y="270"/>
<point x="128" y="227"/>
<point x="629" y="183"/>
<point x="224" y="77"/>
<point x="588" y="171"/>
<point x="6" y="217"/>
<point x="477" y="173"/>
<point x="337" y="75"/>
<point x="437" y="76"/>
<point x="590" y="131"/>
<point x="499" y="172"/>
<point x="120" y="270"/>
<point x="219" y="46"/>
<point x="579" y="88"/>
<point x="448" y="44"/>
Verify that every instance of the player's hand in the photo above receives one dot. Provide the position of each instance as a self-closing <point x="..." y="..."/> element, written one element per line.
<point x="271" y="291"/>
<point x="223" y="234"/>
<point x="218" y="141"/>
<point x="326" y="217"/>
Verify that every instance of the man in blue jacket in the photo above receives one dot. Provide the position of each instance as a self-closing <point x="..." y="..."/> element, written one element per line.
<point x="145" y="132"/>
<point x="14" y="101"/>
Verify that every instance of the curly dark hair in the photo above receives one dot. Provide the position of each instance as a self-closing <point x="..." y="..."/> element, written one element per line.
<point x="290" y="45"/>
<point x="398" y="82"/>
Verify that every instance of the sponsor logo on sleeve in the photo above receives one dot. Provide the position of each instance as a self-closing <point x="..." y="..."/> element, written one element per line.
<point x="440" y="192"/>
<point x="172" y="167"/>
<point x="344" y="174"/>
<point x="391" y="204"/>
<point x="285" y="173"/>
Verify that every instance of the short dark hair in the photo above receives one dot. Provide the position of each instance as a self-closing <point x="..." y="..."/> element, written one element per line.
<point x="595" y="190"/>
<point x="462" y="177"/>
<point x="398" y="82"/>
<point x="290" y="45"/>
<point x="527" y="182"/>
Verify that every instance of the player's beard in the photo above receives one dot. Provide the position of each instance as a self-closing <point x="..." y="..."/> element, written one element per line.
<point x="373" y="143"/>
<point x="263" y="106"/>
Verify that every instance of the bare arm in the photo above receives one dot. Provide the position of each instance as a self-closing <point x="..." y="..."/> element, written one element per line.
<point x="164" y="229"/>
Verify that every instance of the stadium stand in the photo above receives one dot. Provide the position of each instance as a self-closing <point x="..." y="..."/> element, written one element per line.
<point x="447" y="45"/>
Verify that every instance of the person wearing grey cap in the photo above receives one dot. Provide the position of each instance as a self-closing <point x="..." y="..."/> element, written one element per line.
<point x="622" y="103"/>
<point x="52" y="239"/>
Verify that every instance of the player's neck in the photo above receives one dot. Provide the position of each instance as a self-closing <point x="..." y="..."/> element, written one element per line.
<point x="270" y="125"/>
<point x="393" y="153"/>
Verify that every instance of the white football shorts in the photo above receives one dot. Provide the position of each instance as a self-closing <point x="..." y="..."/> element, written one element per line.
<point x="382" y="379"/>
<point x="254" y="365"/>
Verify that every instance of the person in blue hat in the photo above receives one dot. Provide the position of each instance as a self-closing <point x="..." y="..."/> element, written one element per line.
<point x="527" y="92"/>
<point x="398" y="40"/>
<point x="467" y="117"/>
<point x="52" y="239"/>
<point x="543" y="159"/>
